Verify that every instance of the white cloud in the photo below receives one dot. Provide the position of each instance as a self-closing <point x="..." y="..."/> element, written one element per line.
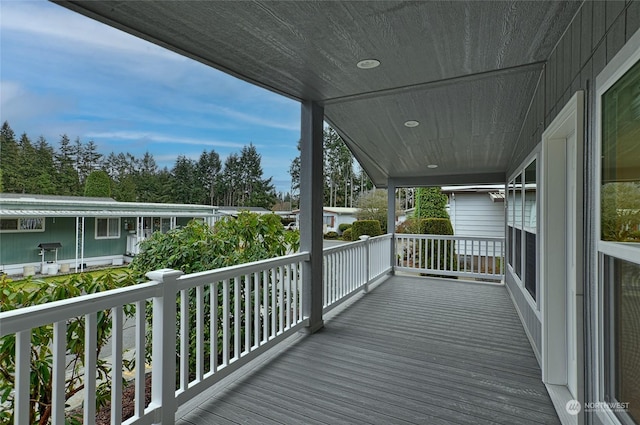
<point x="253" y="119"/>
<point x="149" y="137"/>
<point x="36" y="18"/>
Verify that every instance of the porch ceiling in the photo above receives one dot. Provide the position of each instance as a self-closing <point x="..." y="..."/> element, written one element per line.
<point x="465" y="70"/>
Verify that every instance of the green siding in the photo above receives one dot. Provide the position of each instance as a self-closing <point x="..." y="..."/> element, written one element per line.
<point x="100" y="247"/>
<point x="16" y="248"/>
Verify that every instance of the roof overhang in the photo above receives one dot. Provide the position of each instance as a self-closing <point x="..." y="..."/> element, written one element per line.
<point x="466" y="70"/>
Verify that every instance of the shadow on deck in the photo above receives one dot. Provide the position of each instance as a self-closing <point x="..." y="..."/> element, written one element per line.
<point x="412" y="351"/>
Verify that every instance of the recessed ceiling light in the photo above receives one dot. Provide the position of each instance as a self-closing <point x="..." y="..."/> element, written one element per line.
<point x="411" y="123"/>
<point x="432" y="166"/>
<point x="368" y="64"/>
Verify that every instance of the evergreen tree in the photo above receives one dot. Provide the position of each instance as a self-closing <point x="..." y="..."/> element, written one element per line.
<point x="44" y="167"/>
<point x="229" y="183"/>
<point x="68" y="182"/>
<point x="27" y="178"/>
<point x="148" y="185"/>
<point x="9" y="159"/>
<point x="294" y="171"/>
<point x="208" y="170"/>
<point x="185" y="188"/>
<point x="98" y="184"/>
<point x="430" y="203"/>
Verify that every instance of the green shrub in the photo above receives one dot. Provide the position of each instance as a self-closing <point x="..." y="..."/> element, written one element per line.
<point x="409" y="226"/>
<point x="14" y="295"/>
<point x="344" y="226"/>
<point x="365" y="227"/>
<point x="438" y="254"/>
<point x="346" y="235"/>
<point x="436" y="226"/>
<point x="331" y="235"/>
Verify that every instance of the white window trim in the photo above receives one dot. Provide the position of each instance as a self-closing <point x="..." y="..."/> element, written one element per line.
<point x="107" y="218"/>
<point x="626" y="58"/>
<point x="19" y="230"/>
<point x="533" y="156"/>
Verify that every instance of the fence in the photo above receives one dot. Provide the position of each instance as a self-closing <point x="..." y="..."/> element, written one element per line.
<point x="204" y="326"/>
<point x="441" y="255"/>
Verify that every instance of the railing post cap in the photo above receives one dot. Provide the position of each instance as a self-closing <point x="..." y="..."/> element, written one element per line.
<point x="364" y="237"/>
<point x="162" y="274"/>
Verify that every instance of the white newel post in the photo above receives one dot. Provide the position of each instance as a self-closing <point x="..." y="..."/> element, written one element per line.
<point x="163" y="362"/>
<point x="367" y="262"/>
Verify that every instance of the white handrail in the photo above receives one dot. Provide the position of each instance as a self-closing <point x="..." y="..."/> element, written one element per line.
<point x="447" y="255"/>
<point x="233" y="314"/>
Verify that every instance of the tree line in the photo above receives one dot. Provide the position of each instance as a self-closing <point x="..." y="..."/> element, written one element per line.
<point x="344" y="182"/>
<point x="39" y="168"/>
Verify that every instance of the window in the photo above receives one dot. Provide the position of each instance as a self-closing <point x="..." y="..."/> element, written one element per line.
<point x="27" y="224"/>
<point x="107" y="228"/>
<point x="522" y="204"/>
<point x="619" y="246"/>
<point x="328" y="220"/>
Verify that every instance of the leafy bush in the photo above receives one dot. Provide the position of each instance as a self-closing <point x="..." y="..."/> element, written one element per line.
<point x="409" y="226"/>
<point x="34" y="292"/>
<point x="436" y="226"/>
<point x="344" y="226"/>
<point x="431" y="203"/>
<point x="365" y="227"/>
<point x="199" y="247"/>
<point x="331" y="235"/>
<point x="346" y="235"/>
<point x="98" y="184"/>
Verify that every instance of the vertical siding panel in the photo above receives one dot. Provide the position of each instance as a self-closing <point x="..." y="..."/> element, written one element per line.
<point x="586" y="30"/>
<point x="616" y="37"/>
<point x="632" y="19"/>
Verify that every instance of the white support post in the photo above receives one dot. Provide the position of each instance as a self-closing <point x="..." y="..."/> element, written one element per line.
<point x="163" y="363"/>
<point x="311" y="189"/>
<point x="22" y="374"/>
<point x="391" y="220"/>
<point x="367" y="260"/>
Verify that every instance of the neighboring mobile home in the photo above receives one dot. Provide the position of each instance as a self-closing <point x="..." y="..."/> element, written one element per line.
<point x="42" y="233"/>
<point x="333" y="217"/>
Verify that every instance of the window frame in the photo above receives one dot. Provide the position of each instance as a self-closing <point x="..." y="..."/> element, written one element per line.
<point x="516" y="178"/>
<point x="18" y="228"/>
<point x="621" y="63"/>
<point x="108" y="236"/>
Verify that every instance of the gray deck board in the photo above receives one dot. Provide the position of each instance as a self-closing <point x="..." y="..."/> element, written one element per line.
<point x="412" y="351"/>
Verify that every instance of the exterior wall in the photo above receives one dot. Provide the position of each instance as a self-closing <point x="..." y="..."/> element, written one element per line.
<point x="22" y="247"/>
<point x="529" y="316"/>
<point x="474" y="214"/>
<point x="101" y="247"/>
<point x="597" y="33"/>
<point x="343" y="218"/>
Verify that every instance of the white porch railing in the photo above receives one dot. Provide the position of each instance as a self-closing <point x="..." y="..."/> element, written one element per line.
<point x="345" y="272"/>
<point x="461" y="256"/>
<point x="226" y="317"/>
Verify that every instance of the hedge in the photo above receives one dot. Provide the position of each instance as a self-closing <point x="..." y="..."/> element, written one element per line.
<point x="365" y="227"/>
<point x="346" y="235"/>
<point x="443" y="250"/>
<point x="344" y="226"/>
<point x="436" y="226"/>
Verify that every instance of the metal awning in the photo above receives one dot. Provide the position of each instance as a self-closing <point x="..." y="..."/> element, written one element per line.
<point x="50" y="246"/>
<point x="101" y="213"/>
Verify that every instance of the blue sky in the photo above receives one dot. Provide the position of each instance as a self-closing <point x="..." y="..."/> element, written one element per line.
<point x="63" y="73"/>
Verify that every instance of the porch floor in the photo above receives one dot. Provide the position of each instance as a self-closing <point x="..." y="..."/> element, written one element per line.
<point x="412" y="351"/>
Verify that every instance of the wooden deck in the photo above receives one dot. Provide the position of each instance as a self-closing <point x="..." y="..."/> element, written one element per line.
<point x="412" y="351"/>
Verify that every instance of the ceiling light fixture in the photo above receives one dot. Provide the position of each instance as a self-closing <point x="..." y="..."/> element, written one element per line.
<point x="411" y="123"/>
<point x="432" y="166"/>
<point x="368" y="64"/>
